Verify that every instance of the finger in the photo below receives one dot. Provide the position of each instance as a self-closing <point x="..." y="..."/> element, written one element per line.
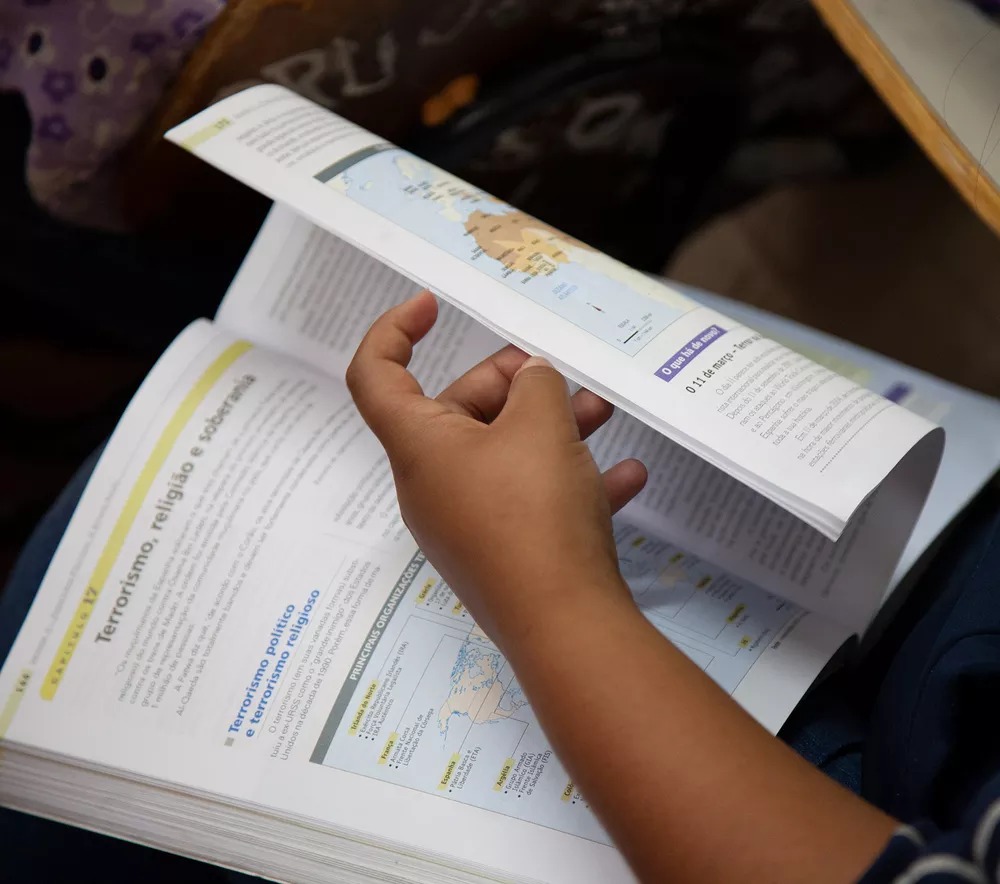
<point x="591" y="411"/>
<point x="377" y="376"/>
<point x="539" y="400"/>
<point x="623" y="482"/>
<point x="482" y="391"/>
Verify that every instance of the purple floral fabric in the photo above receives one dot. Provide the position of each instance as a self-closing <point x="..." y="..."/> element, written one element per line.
<point x="90" y="72"/>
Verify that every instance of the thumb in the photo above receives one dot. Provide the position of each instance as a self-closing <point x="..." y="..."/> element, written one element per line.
<point x="539" y="398"/>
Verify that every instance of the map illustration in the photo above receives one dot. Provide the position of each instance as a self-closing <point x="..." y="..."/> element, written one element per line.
<point x="438" y="708"/>
<point x="477" y="692"/>
<point x="618" y="305"/>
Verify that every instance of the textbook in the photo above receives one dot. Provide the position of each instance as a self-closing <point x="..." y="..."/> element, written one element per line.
<point x="238" y="652"/>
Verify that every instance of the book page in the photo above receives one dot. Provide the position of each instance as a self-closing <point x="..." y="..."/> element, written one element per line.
<point x="809" y="440"/>
<point x="303" y="292"/>
<point x="308" y="293"/>
<point x="710" y="513"/>
<point x="236" y="608"/>
<point x="971" y="421"/>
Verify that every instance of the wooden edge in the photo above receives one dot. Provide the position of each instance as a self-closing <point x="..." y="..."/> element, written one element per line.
<point x="911" y="108"/>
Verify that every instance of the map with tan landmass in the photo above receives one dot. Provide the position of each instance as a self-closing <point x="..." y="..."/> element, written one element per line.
<point x="615" y="303"/>
<point x="520" y="242"/>
<point x="474" y="682"/>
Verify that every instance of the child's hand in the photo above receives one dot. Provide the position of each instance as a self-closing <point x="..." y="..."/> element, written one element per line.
<point x="493" y="478"/>
<point x="504" y="497"/>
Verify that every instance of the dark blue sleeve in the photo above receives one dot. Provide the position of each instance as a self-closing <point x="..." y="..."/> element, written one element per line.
<point x="926" y="854"/>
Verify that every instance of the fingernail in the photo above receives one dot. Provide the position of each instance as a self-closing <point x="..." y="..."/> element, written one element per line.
<point x="535" y="360"/>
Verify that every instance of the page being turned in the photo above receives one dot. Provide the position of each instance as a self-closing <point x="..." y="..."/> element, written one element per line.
<point x="808" y="439"/>
<point x="704" y="509"/>
<point x="310" y="294"/>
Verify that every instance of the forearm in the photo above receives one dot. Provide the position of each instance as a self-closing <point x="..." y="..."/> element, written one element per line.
<point x="687" y="784"/>
<point x="495" y="481"/>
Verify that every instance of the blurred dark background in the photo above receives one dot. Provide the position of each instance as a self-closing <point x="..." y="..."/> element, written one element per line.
<point x="85" y="314"/>
<point x="730" y="142"/>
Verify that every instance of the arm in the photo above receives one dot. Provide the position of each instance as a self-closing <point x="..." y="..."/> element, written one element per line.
<point x="688" y="785"/>
<point x="498" y="487"/>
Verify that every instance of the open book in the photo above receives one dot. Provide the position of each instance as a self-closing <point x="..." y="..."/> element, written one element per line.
<point x="239" y="654"/>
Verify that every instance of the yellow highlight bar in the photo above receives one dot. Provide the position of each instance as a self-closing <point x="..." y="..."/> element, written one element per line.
<point x="675" y="558"/>
<point x="508" y="766"/>
<point x="424" y="590"/>
<point x="739" y="609"/>
<point x="745" y="641"/>
<point x="567" y="793"/>
<point x="639" y="541"/>
<point x="203" y="135"/>
<point x="701" y="584"/>
<point x="457" y="609"/>
<point x="449" y="772"/>
<point x="14" y="701"/>
<point x="127" y="517"/>
<point x="360" y="714"/>
<point x="387" y="751"/>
